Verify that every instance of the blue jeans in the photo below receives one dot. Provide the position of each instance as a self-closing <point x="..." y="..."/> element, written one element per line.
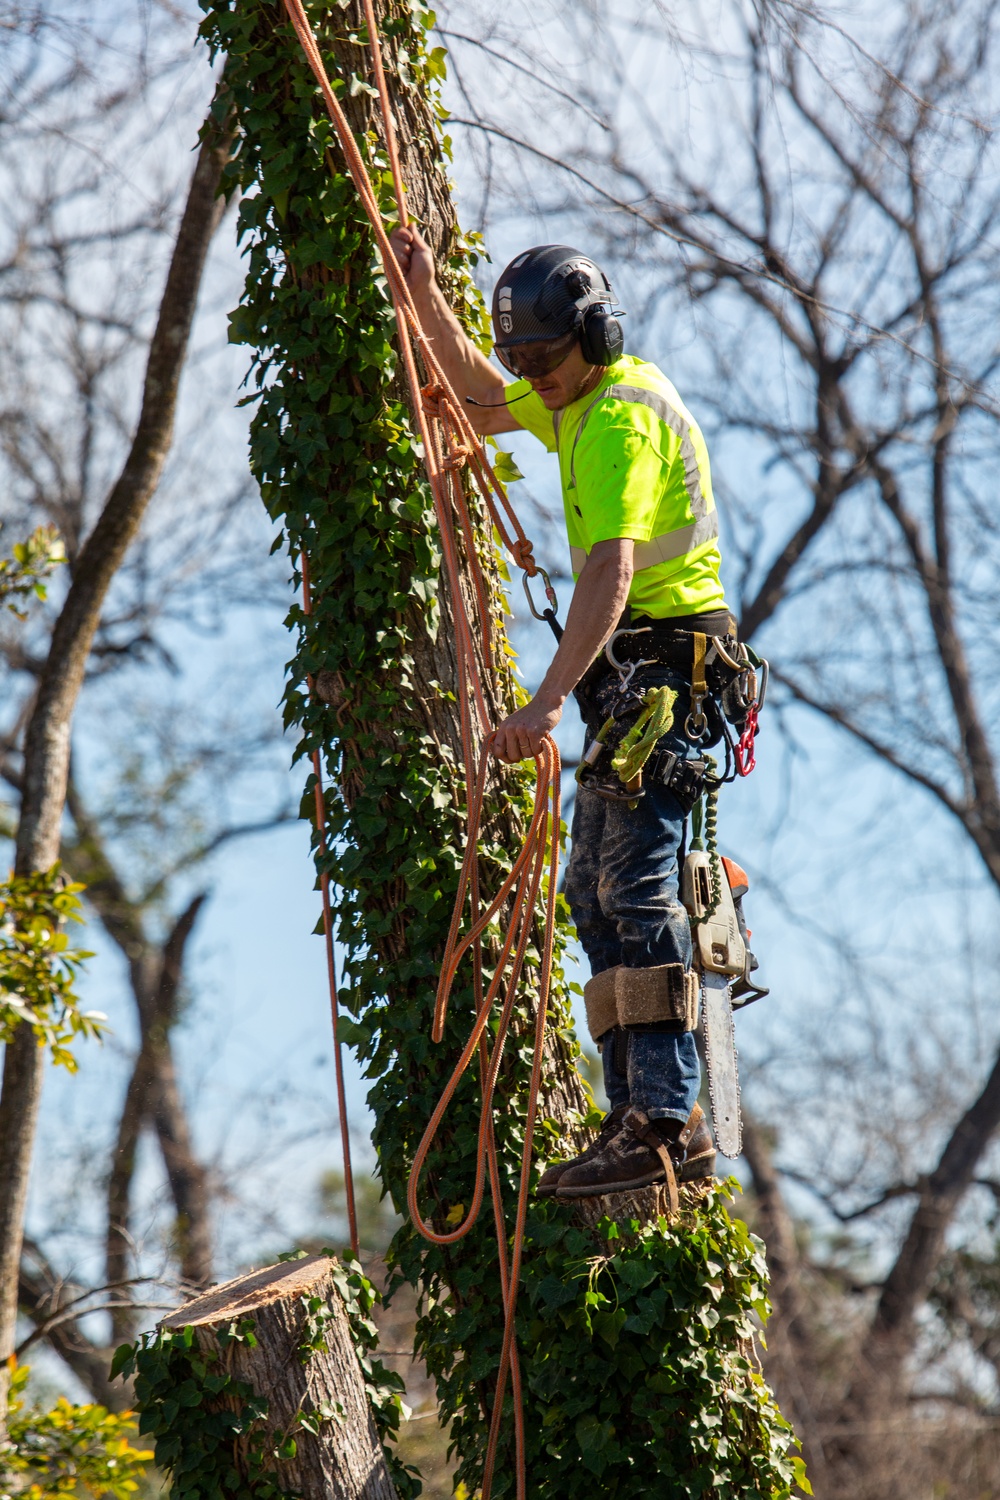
<point x="622" y="889"/>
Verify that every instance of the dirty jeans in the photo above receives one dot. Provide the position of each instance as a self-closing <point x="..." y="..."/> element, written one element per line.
<point x="622" y="889"/>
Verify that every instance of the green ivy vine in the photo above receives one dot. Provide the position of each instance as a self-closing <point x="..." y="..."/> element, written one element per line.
<point x="635" y="1354"/>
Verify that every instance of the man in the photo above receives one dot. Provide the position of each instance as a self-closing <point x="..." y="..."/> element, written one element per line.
<point x="643" y="533"/>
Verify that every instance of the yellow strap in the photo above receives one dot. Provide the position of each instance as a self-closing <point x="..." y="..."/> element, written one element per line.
<point x="699" y="686"/>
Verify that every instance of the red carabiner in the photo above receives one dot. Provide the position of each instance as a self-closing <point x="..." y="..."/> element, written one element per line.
<point x="745" y="758"/>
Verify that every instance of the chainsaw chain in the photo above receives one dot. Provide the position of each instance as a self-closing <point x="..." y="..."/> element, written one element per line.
<point x="711" y="1076"/>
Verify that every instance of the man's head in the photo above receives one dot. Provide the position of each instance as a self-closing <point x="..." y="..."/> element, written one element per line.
<point x="553" y="322"/>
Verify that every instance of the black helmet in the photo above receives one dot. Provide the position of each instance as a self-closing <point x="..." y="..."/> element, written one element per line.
<point x="550" y="292"/>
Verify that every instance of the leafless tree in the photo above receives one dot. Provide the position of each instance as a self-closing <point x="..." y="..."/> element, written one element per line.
<point x="58" y="470"/>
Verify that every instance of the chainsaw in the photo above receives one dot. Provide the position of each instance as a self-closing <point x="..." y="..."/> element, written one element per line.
<point x="712" y="889"/>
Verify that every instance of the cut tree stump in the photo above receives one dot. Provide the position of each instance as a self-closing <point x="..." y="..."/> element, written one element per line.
<point x="345" y="1461"/>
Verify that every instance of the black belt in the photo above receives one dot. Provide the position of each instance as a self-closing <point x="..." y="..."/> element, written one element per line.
<point x="668" y="642"/>
<point x="664" y="643"/>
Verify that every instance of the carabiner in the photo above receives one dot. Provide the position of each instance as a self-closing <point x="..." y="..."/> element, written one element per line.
<point x="723" y="654"/>
<point x="620" y="666"/>
<point x="550" y="595"/>
<point x="765" y="674"/>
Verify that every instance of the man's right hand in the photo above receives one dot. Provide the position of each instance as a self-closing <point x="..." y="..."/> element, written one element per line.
<point x="414" y="257"/>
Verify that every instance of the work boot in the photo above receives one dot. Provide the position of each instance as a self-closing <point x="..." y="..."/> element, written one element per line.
<point x="552" y="1176"/>
<point x="642" y="1152"/>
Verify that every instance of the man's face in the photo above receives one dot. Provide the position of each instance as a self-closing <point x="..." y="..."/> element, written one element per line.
<point x="567" y="382"/>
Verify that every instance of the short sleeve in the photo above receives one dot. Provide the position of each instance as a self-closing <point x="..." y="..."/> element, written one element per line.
<point x="620" y="472"/>
<point x="531" y="413"/>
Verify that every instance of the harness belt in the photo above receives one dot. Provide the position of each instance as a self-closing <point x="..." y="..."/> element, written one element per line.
<point x="686" y="650"/>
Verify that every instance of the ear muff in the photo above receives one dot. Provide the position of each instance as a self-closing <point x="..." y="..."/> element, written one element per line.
<point x="601" y="338"/>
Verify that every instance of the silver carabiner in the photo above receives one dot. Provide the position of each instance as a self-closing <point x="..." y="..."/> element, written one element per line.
<point x="620" y="666"/>
<point x="765" y="677"/>
<point x="734" y="666"/>
<point x="550" y="594"/>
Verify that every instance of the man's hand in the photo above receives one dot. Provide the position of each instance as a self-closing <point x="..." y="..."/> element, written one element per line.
<point x="415" y="259"/>
<point x="468" y="371"/>
<point x="520" y="735"/>
<point x="598" y="600"/>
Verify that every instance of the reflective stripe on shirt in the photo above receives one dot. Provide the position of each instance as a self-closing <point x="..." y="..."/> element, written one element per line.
<point x="679" y="425"/>
<point x="665" y="548"/>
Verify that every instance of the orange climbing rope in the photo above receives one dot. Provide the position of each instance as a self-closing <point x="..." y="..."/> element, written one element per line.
<point x="451" y="444"/>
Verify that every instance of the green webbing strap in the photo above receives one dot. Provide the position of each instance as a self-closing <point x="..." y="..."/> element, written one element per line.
<point x="654" y="721"/>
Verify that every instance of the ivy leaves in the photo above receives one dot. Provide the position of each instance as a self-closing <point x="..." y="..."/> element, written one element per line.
<point x="647" y="1365"/>
<point x="195" y="1411"/>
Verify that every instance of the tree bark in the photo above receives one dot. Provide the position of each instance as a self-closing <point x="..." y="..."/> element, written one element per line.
<point x="790" y="1342"/>
<point x="345" y="1461"/>
<point x="153" y="1096"/>
<point x="47" y="740"/>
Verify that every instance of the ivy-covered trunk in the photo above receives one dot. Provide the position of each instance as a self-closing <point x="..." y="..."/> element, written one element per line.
<point x="635" y="1341"/>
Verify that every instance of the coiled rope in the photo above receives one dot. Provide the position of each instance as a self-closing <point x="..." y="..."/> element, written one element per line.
<point x="450" y="445"/>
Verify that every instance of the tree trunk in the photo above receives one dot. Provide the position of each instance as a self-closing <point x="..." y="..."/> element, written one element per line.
<point x="152" y="1096"/>
<point x="791" y="1349"/>
<point x="345" y="1460"/>
<point x="333" y="448"/>
<point x="47" y="740"/>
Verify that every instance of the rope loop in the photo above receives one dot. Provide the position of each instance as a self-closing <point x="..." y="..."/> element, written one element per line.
<point x="432" y="399"/>
<point x="523" y="552"/>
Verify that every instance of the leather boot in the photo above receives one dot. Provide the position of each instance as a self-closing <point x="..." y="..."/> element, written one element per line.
<point x="552" y="1176"/>
<point x="642" y="1152"/>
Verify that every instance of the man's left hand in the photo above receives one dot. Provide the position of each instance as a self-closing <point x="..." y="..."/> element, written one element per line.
<point x="520" y="735"/>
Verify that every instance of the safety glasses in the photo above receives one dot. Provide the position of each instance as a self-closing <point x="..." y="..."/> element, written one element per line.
<point x="538" y="358"/>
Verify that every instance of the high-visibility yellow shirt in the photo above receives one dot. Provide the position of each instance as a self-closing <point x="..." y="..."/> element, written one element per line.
<point x="633" y="463"/>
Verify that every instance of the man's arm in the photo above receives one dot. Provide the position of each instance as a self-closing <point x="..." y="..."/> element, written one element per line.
<point x="468" y="370"/>
<point x="599" y="597"/>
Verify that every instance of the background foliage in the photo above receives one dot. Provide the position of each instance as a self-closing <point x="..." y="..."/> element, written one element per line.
<point x="69" y="1450"/>
<point x="38" y="967"/>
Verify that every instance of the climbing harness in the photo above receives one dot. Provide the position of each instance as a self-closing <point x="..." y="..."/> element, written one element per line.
<point x="723" y="692"/>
